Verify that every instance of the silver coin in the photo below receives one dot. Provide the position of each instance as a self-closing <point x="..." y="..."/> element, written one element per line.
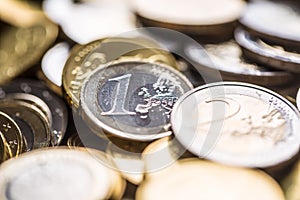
<point x="132" y="100"/>
<point x="278" y="21"/>
<point x="237" y="124"/>
<point x="259" y="51"/>
<point x="227" y="58"/>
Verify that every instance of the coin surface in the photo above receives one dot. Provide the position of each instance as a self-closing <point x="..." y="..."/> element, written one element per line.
<point x="56" y="105"/>
<point x="52" y="66"/>
<point x="204" y="17"/>
<point x="11" y="134"/>
<point x="198" y="179"/>
<point x="106" y="18"/>
<point x="227" y="58"/>
<point x="278" y="24"/>
<point x="272" y="56"/>
<point x="237" y="124"/>
<point x="132" y="100"/>
<point x="30" y="117"/>
<point x="24" y="42"/>
<point x="83" y="60"/>
<point x="59" y="170"/>
<point x="291" y="183"/>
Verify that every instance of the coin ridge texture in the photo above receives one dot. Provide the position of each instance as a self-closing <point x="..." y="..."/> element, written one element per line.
<point x="263" y="125"/>
<point x="132" y="100"/>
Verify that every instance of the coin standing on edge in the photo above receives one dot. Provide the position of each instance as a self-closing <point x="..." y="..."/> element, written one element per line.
<point x="59" y="174"/>
<point x="275" y="57"/>
<point x="56" y="105"/>
<point x="132" y="100"/>
<point x="237" y="124"/>
<point x="198" y="179"/>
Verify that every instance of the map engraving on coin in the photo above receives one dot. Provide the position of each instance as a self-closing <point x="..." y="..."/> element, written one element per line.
<point x="133" y="99"/>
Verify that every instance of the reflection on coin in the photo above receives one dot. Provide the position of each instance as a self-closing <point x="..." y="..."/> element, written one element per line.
<point x="74" y="141"/>
<point x="85" y="59"/>
<point x="237" y="124"/>
<point x="204" y="17"/>
<point x="132" y="100"/>
<point x="72" y="174"/>
<point x="23" y="43"/>
<point x="279" y="23"/>
<point x="197" y="179"/>
<point x="227" y="58"/>
<point x="273" y="56"/>
<point x="11" y="134"/>
<point x="56" y="105"/>
<point x="52" y="66"/>
<point x="38" y="135"/>
<point x="105" y="18"/>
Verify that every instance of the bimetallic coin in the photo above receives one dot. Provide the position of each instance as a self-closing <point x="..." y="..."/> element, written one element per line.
<point x="23" y="43"/>
<point x="227" y="58"/>
<point x="57" y="106"/>
<point x="83" y="60"/>
<point x="198" y="179"/>
<point x="209" y="18"/>
<point x="132" y="100"/>
<point x="237" y="124"/>
<point x="11" y="134"/>
<point x="261" y="52"/>
<point x="279" y="24"/>
<point x="37" y="134"/>
<point x="72" y="174"/>
<point x="52" y="66"/>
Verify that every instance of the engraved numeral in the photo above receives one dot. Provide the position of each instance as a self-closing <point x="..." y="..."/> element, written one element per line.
<point x="120" y="96"/>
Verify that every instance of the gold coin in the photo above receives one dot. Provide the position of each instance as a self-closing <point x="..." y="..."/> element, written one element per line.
<point x="197" y="179"/>
<point x="11" y="135"/>
<point x="24" y="41"/>
<point x="85" y="59"/>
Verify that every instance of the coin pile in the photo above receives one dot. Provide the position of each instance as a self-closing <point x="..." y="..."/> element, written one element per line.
<point x="156" y="99"/>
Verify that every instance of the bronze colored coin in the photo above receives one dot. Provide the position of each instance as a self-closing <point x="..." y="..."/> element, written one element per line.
<point x="211" y="18"/>
<point x="227" y="58"/>
<point x="85" y="59"/>
<point x="39" y="134"/>
<point x="11" y="134"/>
<point x="22" y="45"/>
<point x="273" y="56"/>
